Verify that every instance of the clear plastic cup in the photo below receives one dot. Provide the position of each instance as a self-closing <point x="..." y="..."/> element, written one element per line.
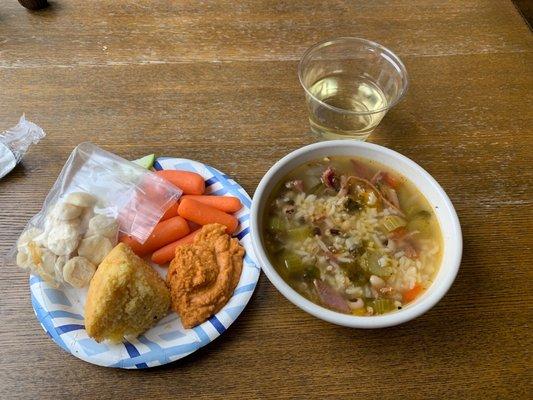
<point x="350" y="84"/>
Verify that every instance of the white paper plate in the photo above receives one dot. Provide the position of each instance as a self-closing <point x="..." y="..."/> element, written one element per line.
<point x="60" y="311"/>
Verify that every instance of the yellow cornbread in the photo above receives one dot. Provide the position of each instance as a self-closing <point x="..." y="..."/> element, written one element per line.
<point x="126" y="297"/>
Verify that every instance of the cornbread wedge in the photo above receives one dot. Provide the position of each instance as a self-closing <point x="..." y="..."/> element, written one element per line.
<point x="126" y="297"/>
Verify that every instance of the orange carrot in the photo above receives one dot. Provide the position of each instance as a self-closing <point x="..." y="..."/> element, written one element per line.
<point x="223" y="203"/>
<point x="165" y="232"/>
<point x="203" y="214"/>
<point x="172" y="211"/>
<point x="189" y="182"/>
<point x="193" y="226"/>
<point x="391" y="180"/>
<point x="167" y="253"/>
<point x="413" y="293"/>
<point x="151" y="188"/>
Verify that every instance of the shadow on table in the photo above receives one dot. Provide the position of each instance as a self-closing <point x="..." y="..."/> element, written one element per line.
<point x="19" y="172"/>
<point x="397" y="127"/>
<point x="525" y="8"/>
<point x="51" y="9"/>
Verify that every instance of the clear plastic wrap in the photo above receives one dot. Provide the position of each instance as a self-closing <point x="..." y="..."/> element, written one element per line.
<point x="14" y="143"/>
<point x="96" y="194"/>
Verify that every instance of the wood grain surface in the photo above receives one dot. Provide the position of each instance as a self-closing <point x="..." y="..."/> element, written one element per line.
<point x="216" y="81"/>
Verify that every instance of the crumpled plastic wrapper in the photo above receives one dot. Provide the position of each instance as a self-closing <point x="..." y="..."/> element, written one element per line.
<point x="15" y="142"/>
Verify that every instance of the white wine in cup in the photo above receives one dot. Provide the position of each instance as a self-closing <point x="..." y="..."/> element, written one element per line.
<point x="350" y="84"/>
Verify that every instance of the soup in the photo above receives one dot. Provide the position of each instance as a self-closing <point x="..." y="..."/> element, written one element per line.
<point x="352" y="235"/>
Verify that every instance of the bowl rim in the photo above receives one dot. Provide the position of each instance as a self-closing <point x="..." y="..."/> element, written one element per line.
<point x="428" y="299"/>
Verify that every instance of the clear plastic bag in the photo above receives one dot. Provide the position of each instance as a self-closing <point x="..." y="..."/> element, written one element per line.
<point x="14" y="143"/>
<point x="95" y="192"/>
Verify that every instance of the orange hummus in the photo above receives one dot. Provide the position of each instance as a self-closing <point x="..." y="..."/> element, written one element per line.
<point x="203" y="275"/>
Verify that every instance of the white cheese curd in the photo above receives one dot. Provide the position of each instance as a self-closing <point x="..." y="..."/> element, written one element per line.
<point x="85" y="217"/>
<point x="27" y="236"/>
<point x="81" y="199"/>
<point x="45" y="265"/>
<point x="23" y="258"/>
<point x="63" y="239"/>
<point x="64" y="211"/>
<point x="78" y="272"/>
<point x="95" y="248"/>
<point x="104" y="226"/>
<point x="58" y="268"/>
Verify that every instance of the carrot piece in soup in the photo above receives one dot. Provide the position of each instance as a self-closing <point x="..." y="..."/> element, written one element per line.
<point x="413" y="293"/>
<point x="398" y="233"/>
<point x="391" y="180"/>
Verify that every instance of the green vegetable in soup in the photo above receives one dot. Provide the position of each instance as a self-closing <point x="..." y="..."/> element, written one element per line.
<point x="293" y="263"/>
<point x="300" y="234"/>
<point x="352" y="205"/>
<point x="352" y="269"/>
<point x="421" y="222"/>
<point x="311" y="181"/>
<point x="318" y="189"/>
<point x="311" y="273"/>
<point x="382" y="306"/>
<point x="355" y="273"/>
<point x="393" y="222"/>
<point x="369" y="262"/>
<point x="276" y="223"/>
<point x="423" y="214"/>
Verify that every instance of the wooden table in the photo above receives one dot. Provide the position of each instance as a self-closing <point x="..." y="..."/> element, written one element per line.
<point x="216" y="81"/>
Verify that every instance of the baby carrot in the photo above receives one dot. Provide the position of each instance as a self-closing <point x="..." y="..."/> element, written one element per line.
<point x="413" y="293"/>
<point x="189" y="182"/>
<point x="172" y="211"/>
<point x="167" y="253"/>
<point x="223" y="203"/>
<point x="203" y="214"/>
<point x="151" y="188"/>
<point x="193" y="226"/>
<point x="164" y="233"/>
